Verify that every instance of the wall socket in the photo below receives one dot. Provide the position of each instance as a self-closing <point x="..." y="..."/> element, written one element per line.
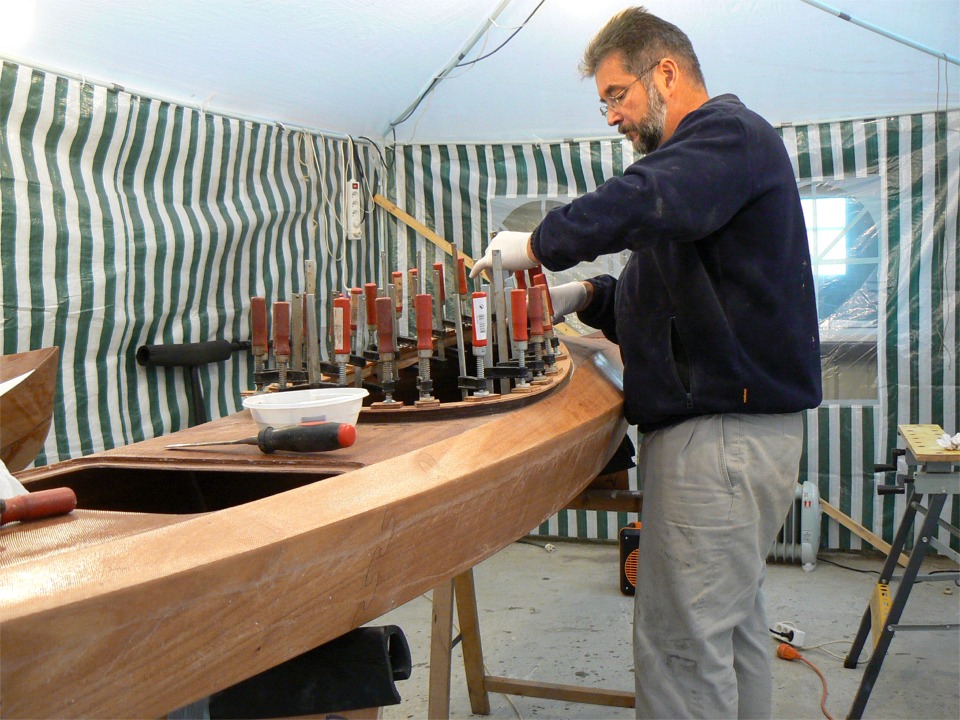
<point x="353" y="212"/>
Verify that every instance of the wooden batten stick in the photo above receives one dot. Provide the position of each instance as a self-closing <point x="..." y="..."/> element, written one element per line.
<point x="858" y="529"/>
<point x="412" y="222"/>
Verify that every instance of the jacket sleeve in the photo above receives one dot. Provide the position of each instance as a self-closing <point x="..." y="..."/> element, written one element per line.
<point x="599" y="314"/>
<point x="683" y="191"/>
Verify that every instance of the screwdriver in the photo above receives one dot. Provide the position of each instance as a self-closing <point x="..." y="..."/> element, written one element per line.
<point x="305" y="437"/>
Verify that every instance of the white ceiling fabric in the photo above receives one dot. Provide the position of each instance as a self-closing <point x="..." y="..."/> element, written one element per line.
<point x="353" y="67"/>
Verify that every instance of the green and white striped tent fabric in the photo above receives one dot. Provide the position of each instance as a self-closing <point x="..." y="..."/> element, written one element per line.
<point x="127" y="221"/>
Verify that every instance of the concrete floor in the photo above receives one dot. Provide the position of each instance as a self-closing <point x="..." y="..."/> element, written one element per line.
<point x="559" y="617"/>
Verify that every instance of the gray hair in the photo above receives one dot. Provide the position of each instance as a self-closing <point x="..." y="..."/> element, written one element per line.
<point x="643" y="39"/>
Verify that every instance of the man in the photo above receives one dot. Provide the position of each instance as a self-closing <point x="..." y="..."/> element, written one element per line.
<point x="716" y="320"/>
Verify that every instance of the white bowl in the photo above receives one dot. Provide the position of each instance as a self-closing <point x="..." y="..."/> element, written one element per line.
<point x="278" y="409"/>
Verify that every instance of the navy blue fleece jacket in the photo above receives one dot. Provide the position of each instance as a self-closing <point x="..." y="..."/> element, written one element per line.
<point x="715" y="310"/>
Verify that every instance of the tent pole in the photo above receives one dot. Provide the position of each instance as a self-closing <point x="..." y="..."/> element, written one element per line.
<point x="886" y="33"/>
<point x="467" y="47"/>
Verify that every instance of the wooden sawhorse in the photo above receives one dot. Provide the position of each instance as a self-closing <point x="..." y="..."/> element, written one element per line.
<point x="938" y="477"/>
<point x="606" y="493"/>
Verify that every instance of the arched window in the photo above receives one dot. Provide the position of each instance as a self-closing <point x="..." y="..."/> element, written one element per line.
<point x="844" y="237"/>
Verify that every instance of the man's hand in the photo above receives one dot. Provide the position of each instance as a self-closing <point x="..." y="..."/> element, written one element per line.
<point x="569" y="298"/>
<point x="514" y="253"/>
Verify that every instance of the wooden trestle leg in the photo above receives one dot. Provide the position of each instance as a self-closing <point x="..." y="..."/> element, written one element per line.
<point x="472" y="650"/>
<point x="607" y="492"/>
<point x="441" y="643"/>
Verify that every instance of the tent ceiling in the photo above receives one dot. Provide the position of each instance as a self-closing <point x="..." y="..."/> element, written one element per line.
<point x="353" y="67"/>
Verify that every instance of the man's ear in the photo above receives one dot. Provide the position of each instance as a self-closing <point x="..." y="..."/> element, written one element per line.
<point x="668" y="76"/>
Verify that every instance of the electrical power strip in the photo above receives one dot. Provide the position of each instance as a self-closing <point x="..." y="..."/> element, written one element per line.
<point x="789" y="633"/>
<point x="353" y="211"/>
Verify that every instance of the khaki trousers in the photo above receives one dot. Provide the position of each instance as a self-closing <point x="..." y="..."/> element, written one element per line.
<point x="716" y="491"/>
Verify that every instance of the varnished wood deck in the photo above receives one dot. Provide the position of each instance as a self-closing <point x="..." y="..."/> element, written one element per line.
<point x="121" y="614"/>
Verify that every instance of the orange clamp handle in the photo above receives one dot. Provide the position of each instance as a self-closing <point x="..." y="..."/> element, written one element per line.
<point x="541" y="279"/>
<point x="424" y="308"/>
<point x="281" y="329"/>
<point x="462" y="275"/>
<point x="478" y="302"/>
<point x="341" y="326"/>
<point x="397" y="278"/>
<point x="355" y="295"/>
<point x="545" y="300"/>
<point x="258" y="322"/>
<point x="438" y="267"/>
<point x="521" y="277"/>
<point x="533" y="272"/>
<point x="370" y="295"/>
<point x="384" y="313"/>
<point x="518" y="303"/>
<point x="535" y="310"/>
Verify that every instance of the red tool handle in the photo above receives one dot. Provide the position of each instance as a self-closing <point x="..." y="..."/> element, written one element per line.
<point x="355" y="295"/>
<point x="307" y="437"/>
<point x="370" y="295"/>
<point x="547" y="316"/>
<point x="258" y="321"/>
<point x="533" y="272"/>
<point x="462" y="275"/>
<point x="424" y="309"/>
<point x="341" y="326"/>
<point x="331" y="323"/>
<point x="281" y="329"/>
<point x="518" y="303"/>
<point x="541" y="279"/>
<point x="385" y="325"/>
<point x="397" y="277"/>
<point x="38" y="505"/>
<point x="438" y="268"/>
<point x="535" y="310"/>
<point x="521" y="277"/>
<point x="478" y="302"/>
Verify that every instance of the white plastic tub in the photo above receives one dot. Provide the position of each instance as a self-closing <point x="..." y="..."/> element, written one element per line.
<point x="297" y="406"/>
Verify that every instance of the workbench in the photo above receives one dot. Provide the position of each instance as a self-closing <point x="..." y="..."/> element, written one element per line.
<point x="933" y="476"/>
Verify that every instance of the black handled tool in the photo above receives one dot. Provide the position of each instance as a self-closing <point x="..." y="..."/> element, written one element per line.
<point x="306" y="437"/>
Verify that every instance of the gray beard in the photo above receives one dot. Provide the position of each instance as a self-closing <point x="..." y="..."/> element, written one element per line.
<point x="650" y="130"/>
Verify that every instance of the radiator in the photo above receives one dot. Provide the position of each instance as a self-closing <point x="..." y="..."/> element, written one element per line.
<point x="799" y="538"/>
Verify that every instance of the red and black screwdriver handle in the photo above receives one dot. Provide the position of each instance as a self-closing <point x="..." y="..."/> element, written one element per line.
<point x="307" y="437"/>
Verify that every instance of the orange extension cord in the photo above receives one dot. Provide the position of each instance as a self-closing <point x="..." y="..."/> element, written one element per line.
<point x="787" y="652"/>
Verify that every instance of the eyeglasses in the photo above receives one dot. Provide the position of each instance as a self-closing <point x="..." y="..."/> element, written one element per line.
<point x="615" y="101"/>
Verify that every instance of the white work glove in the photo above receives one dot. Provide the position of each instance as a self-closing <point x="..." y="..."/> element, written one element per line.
<point x="568" y="298"/>
<point x="513" y="253"/>
<point x="949" y="443"/>
<point x="9" y="486"/>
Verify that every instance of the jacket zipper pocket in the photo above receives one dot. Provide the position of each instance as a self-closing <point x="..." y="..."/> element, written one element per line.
<point x="680" y="364"/>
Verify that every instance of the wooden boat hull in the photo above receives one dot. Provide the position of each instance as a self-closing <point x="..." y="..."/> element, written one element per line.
<point x="26" y="409"/>
<point x="134" y="615"/>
